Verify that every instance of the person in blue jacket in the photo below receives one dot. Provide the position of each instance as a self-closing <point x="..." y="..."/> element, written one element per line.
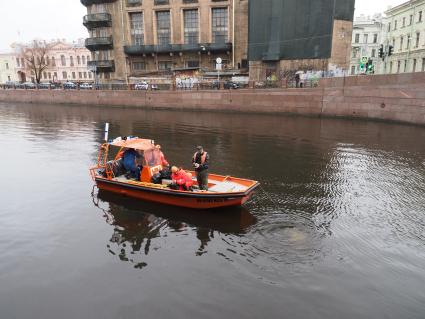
<point x="130" y="163"/>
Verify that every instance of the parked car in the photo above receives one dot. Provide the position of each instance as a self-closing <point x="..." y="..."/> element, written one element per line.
<point x="154" y="87"/>
<point x="231" y="85"/>
<point x="29" y="85"/>
<point x="44" y="86"/>
<point x="69" y="85"/>
<point x="215" y="85"/>
<point x="86" y="86"/>
<point x="9" y="85"/>
<point x="141" y="86"/>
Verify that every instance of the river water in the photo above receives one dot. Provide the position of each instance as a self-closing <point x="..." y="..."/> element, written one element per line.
<point x="336" y="231"/>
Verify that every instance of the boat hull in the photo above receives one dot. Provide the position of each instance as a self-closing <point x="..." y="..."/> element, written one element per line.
<point x="195" y="200"/>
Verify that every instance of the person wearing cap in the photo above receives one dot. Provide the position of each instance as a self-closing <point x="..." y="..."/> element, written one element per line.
<point x="200" y="161"/>
<point x="164" y="162"/>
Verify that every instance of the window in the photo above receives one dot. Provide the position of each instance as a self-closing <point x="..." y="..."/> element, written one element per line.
<point x="191" y="26"/>
<point x="47" y="60"/>
<point x="408" y="42"/>
<point x="411" y="19"/>
<point x="353" y="70"/>
<point x="136" y="28"/>
<point x="414" y="65"/>
<point x="53" y="61"/>
<point x="88" y="58"/>
<point x="357" y="38"/>
<point x="163" y="27"/>
<point x="192" y="64"/>
<point x="373" y="55"/>
<point x="389" y="27"/>
<point x="83" y="58"/>
<point x="398" y="66"/>
<point x="404" y="22"/>
<point x="391" y="67"/>
<point x="64" y="75"/>
<point x="7" y="66"/>
<point x="73" y="75"/>
<point x="18" y="62"/>
<point x="164" y="65"/>
<point x="45" y="75"/>
<point x="49" y="75"/>
<point x="354" y="54"/>
<point x="78" y="60"/>
<point x="55" y="76"/>
<point x="420" y="16"/>
<point x="405" y="65"/>
<point x="418" y="38"/>
<point x="71" y="60"/>
<point x="394" y="44"/>
<point x="80" y="75"/>
<point x="139" y="66"/>
<point x="8" y="78"/>
<point x="63" y="60"/>
<point x="375" y="38"/>
<point x="85" y="75"/>
<point x="22" y="62"/>
<point x="395" y="25"/>
<point x="365" y="38"/>
<point x="423" y="64"/>
<point x="219" y="25"/>
<point x="401" y="43"/>
<point x="89" y="75"/>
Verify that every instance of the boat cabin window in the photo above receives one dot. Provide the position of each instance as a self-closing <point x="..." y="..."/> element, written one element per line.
<point x="152" y="157"/>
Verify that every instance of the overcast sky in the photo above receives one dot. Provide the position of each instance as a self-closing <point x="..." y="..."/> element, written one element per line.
<point x="24" y="20"/>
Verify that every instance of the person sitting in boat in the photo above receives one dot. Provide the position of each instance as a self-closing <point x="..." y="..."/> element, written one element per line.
<point x="181" y="179"/>
<point x="131" y="160"/>
<point x="164" y="162"/>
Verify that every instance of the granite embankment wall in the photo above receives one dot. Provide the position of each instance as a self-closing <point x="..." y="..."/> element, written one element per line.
<point x="399" y="98"/>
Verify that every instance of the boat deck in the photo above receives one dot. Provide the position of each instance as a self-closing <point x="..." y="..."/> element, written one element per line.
<point x="215" y="186"/>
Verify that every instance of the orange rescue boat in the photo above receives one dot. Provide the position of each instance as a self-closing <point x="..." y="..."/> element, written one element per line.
<point x="223" y="191"/>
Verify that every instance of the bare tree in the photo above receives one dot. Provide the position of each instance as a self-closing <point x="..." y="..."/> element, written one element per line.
<point x="36" y="60"/>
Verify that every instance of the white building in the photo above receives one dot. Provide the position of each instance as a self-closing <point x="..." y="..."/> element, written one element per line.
<point x="404" y="29"/>
<point x="367" y="39"/>
<point x="7" y="68"/>
<point x="66" y="62"/>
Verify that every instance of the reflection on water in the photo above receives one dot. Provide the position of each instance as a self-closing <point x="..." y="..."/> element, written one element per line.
<point x="136" y="224"/>
<point x="336" y="230"/>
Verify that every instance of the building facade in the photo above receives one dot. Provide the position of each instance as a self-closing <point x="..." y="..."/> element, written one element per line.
<point x="404" y="30"/>
<point x="66" y="62"/>
<point x="7" y="68"/>
<point x="291" y="35"/>
<point x="132" y="39"/>
<point x="366" y="42"/>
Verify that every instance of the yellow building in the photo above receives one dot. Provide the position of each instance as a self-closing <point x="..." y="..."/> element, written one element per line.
<point x="131" y="39"/>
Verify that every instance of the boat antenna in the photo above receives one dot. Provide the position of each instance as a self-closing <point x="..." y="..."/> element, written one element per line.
<point x="106" y="131"/>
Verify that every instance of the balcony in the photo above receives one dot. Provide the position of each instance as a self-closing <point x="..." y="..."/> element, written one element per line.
<point x="177" y="48"/>
<point x="102" y="66"/>
<point x="99" y="43"/>
<point x="97" y="20"/>
<point x="91" y="2"/>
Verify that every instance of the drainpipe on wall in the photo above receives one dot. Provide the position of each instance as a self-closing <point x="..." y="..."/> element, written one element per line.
<point x="123" y="40"/>
<point x="233" y="35"/>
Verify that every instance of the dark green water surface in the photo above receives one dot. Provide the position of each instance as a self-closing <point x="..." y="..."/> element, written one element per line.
<point x="338" y="232"/>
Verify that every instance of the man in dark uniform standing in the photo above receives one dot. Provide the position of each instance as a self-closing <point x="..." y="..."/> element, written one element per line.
<point x="200" y="161"/>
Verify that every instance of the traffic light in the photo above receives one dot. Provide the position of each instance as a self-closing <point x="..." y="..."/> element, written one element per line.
<point x="381" y="51"/>
<point x="390" y="50"/>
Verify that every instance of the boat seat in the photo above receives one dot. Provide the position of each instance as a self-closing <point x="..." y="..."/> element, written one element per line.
<point x="227" y="187"/>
